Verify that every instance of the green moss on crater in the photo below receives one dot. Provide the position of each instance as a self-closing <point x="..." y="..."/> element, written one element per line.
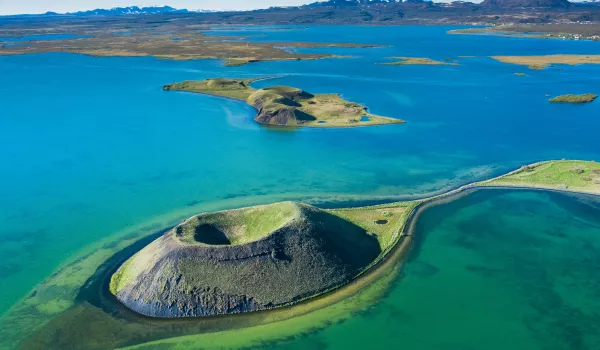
<point x="237" y="226"/>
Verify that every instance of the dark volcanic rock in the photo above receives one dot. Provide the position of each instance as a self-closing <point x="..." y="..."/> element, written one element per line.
<point x="283" y="116"/>
<point x="279" y="105"/>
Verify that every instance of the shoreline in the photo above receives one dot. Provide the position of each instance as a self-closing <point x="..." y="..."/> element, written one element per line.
<point x="24" y="311"/>
<point x="403" y="237"/>
<point x="395" y="259"/>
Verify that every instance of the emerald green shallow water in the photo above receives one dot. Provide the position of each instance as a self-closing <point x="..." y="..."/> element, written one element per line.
<point x="495" y="269"/>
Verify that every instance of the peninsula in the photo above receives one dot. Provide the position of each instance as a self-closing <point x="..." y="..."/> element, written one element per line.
<point x="269" y="256"/>
<point x="542" y="62"/>
<point x="164" y="38"/>
<point x="557" y="30"/>
<point x="288" y="106"/>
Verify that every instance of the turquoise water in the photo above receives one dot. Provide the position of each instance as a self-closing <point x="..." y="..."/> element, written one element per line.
<point x="493" y="270"/>
<point x="91" y="146"/>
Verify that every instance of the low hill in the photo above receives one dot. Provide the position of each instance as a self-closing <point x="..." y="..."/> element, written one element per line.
<point x="244" y="260"/>
<point x="527" y="3"/>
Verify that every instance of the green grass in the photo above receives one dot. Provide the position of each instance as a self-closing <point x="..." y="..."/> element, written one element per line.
<point x="238" y="89"/>
<point x="240" y="226"/>
<point x="121" y="278"/>
<point x="560" y="174"/>
<point x="367" y="217"/>
<point x="584" y="98"/>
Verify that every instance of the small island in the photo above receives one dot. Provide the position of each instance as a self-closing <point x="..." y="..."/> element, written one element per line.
<point x="576" y="99"/>
<point x="268" y="256"/>
<point x="288" y="106"/>
<point x="544" y="61"/>
<point x="402" y="60"/>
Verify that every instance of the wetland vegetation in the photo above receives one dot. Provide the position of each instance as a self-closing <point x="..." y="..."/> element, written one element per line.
<point x="172" y="40"/>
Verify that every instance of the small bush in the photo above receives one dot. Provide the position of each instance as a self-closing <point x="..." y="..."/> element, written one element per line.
<point x="578" y="170"/>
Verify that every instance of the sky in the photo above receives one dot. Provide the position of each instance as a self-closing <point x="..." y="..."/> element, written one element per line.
<point x="11" y="7"/>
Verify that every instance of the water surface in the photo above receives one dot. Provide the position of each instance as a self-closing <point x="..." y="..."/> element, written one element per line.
<point x="496" y="269"/>
<point x="93" y="146"/>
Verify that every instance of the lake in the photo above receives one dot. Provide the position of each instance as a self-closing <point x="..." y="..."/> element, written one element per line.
<point x="92" y="148"/>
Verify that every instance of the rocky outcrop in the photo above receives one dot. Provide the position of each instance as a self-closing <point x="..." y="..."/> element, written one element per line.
<point x="283" y="116"/>
<point x="280" y="105"/>
<point x="306" y="252"/>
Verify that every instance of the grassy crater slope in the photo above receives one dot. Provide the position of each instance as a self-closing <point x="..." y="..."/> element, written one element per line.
<point x="288" y="106"/>
<point x="244" y="260"/>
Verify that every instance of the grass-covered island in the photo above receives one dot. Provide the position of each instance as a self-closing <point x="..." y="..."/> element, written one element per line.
<point x="577" y="99"/>
<point x="544" y="61"/>
<point x="402" y="61"/>
<point x="252" y="259"/>
<point x="274" y="255"/>
<point x="288" y="106"/>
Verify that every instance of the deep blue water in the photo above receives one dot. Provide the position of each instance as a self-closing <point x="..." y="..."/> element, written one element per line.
<point x="90" y="146"/>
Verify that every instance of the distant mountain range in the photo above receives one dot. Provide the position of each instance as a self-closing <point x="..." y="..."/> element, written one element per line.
<point x="135" y="10"/>
<point x="485" y="3"/>
<point x="527" y="3"/>
<point x="373" y="11"/>
<point x="122" y="11"/>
